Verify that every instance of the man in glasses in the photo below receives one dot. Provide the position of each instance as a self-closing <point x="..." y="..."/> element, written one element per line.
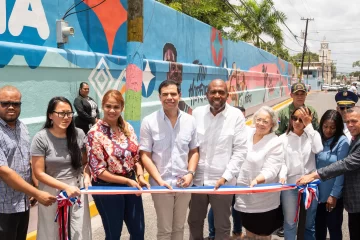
<point x="15" y="172"/>
<point x="345" y="100"/>
<point x="298" y="94"/>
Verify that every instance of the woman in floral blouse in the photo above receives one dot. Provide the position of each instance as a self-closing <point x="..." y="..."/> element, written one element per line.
<point x="114" y="161"/>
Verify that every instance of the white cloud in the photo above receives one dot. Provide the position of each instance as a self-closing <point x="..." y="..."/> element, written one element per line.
<point x="331" y="17"/>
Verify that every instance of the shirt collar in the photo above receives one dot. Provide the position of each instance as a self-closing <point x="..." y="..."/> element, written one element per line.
<point x="162" y="113"/>
<point x="223" y="112"/>
<point x="4" y="124"/>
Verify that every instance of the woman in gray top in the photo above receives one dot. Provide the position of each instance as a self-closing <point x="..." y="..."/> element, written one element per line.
<point x="58" y="158"/>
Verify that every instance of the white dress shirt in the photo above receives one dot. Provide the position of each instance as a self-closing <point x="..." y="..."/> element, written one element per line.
<point x="169" y="146"/>
<point x="265" y="157"/>
<point x="222" y="140"/>
<point x="347" y="133"/>
<point x="300" y="153"/>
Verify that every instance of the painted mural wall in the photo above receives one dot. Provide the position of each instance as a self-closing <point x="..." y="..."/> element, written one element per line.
<point x="132" y="47"/>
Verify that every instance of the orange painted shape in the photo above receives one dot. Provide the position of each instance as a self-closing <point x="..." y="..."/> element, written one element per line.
<point x="112" y="15"/>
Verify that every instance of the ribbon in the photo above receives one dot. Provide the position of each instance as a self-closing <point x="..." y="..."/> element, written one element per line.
<point x="308" y="192"/>
<point x="225" y="189"/>
<point x="62" y="212"/>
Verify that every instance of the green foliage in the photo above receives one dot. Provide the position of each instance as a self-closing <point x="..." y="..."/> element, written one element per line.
<point x="314" y="57"/>
<point x="356" y="64"/>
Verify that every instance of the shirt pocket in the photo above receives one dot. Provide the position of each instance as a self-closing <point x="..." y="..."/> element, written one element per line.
<point x="225" y="139"/>
<point x="160" y="143"/>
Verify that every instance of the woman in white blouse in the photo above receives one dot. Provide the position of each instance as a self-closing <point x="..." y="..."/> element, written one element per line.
<point x="260" y="213"/>
<point x="301" y="142"/>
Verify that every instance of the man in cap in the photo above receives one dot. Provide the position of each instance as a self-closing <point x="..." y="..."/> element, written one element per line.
<point x="298" y="94"/>
<point x="345" y="100"/>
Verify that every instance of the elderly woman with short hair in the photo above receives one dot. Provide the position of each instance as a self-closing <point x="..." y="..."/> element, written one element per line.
<point x="260" y="213"/>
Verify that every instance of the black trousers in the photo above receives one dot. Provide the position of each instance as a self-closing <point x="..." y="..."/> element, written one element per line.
<point x="14" y="226"/>
<point x="329" y="220"/>
<point x="354" y="226"/>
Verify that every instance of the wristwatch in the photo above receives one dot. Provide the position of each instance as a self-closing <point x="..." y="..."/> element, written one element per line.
<point x="191" y="172"/>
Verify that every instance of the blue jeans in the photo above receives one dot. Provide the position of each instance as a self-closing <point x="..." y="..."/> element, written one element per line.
<point x="289" y="200"/>
<point x="115" y="209"/>
<point x="237" y="226"/>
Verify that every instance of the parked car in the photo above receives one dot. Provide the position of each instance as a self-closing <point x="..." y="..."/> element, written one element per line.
<point x="324" y="87"/>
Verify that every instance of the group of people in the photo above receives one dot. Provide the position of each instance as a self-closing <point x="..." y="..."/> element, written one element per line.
<point x="211" y="147"/>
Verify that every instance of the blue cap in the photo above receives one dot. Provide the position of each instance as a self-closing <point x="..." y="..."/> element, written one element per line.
<point x="346" y="98"/>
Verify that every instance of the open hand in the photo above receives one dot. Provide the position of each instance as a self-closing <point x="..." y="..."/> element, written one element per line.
<point x="219" y="183"/>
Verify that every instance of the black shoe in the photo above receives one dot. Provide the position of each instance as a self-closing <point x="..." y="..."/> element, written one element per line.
<point x="280" y="232"/>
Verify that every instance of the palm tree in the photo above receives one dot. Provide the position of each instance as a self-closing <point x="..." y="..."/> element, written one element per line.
<point x="262" y="18"/>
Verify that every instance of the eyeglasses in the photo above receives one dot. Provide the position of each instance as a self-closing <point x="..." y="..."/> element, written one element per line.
<point x="63" y="114"/>
<point x="8" y="104"/>
<point x="295" y="118"/>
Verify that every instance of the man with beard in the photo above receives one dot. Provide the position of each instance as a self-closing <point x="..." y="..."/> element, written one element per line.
<point x="222" y="138"/>
<point x="15" y="172"/>
<point x="169" y="153"/>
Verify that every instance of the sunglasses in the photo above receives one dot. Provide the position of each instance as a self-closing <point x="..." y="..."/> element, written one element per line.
<point x="63" y="114"/>
<point x="295" y="118"/>
<point x="345" y="107"/>
<point x="8" y="104"/>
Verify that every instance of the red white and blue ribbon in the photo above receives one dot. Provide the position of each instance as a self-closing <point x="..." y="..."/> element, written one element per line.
<point x="225" y="189"/>
<point x="308" y="193"/>
<point x="62" y="212"/>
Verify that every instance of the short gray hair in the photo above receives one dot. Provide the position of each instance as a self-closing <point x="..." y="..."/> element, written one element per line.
<point x="272" y="114"/>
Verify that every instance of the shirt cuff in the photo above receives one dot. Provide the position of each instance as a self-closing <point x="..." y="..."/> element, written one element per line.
<point x="227" y="175"/>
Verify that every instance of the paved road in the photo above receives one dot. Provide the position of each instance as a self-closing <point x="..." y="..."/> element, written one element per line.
<point x="320" y="101"/>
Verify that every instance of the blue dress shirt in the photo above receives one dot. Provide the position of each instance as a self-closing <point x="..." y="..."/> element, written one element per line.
<point x="332" y="187"/>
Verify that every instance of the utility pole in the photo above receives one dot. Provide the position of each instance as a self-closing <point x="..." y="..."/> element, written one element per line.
<point x="322" y="68"/>
<point x="304" y="48"/>
<point x="308" y="67"/>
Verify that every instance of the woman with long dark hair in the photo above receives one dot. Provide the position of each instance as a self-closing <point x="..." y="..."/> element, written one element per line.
<point x="59" y="158"/>
<point x="329" y="214"/>
<point x="300" y="143"/>
<point x="86" y="108"/>
<point x="114" y="161"/>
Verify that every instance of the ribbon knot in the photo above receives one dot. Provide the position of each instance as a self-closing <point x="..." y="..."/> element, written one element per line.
<point x="308" y="192"/>
<point x="62" y="213"/>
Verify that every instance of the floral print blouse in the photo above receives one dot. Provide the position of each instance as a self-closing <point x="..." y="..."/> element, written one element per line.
<point x="108" y="150"/>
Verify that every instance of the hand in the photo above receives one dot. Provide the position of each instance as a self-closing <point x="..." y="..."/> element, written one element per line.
<point x="219" y="183"/>
<point x="253" y="183"/>
<point x="165" y="184"/>
<point x="142" y="182"/>
<point x="305" y="116"/>
<point x="72" y="191"/>
<point x="87" y="181"/>
<point x="307" y="179"/>
<point x="132" y="183"/>
<point x="282" y="180"/>
<point x="45" y="198"/>
<point x="185" y="180"/>
<point x="330" y="203"/>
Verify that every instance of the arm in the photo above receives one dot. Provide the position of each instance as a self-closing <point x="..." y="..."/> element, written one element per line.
<point x="13" y="180"/>
<point x="192" y="164"/>
<point x="315" y="139"/>
<point x="342" y="152"/>
<point x="81" y="112"/>
<point x="273" y="163"/>
<point x="239" y="150"/>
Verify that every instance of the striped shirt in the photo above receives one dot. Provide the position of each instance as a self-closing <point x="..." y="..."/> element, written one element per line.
<point x="14" y="153"/>
<point x="169" y="146"/>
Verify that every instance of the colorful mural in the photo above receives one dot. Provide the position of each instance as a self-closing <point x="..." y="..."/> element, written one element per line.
<point x="131" y="46"/>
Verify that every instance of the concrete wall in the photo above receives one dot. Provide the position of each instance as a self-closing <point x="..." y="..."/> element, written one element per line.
<point x="165" y="45"/>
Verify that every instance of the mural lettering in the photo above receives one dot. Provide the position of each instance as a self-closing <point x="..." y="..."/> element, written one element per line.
<point x="197" y="89"/>
<point x="25" y="13"/>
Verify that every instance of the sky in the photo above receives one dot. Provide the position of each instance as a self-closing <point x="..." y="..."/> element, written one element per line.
<point x="336" y="21"/>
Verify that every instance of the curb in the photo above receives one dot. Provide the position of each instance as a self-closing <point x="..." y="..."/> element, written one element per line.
<point x="93" y="210"/>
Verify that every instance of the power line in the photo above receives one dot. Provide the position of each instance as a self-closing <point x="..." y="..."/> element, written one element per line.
<point x="333" y="42"/>
<point x="86" y="9"/>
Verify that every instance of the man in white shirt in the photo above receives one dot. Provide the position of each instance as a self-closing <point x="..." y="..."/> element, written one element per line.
<point x="353" y="88"/>
<point x="345" y="100"/>
<point x="222" y="139"/>
<point x="169" y="152"/>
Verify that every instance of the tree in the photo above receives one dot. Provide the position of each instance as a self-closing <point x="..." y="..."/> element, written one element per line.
<point x="313" y="57"/>
<point x="356" y="64"/>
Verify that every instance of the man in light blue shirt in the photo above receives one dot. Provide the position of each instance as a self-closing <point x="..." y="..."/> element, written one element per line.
<point x="169" y="152"/>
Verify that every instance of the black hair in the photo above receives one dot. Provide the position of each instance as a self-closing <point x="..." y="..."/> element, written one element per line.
<point x="172" y="48"/>
<point x="168" y="83"/>
<point x="290" y="126"/>
<point x="339" y="124"/>
<point x="82" y="85"/>
<point x="71" y="133"/>
<point x="240" y="108"/>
